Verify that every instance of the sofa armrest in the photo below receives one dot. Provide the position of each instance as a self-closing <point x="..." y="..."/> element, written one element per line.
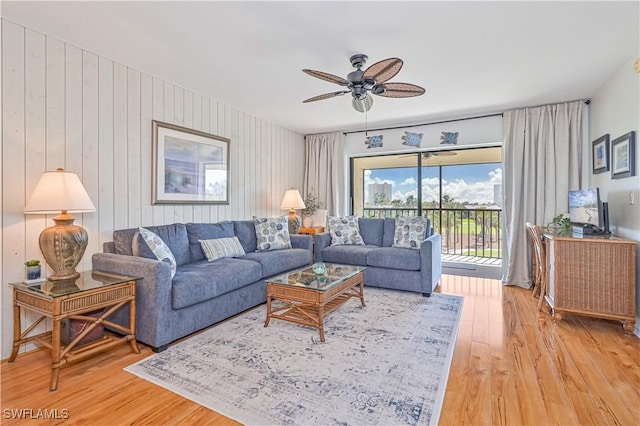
<point x="323" y="240"/>
<point x="153" y="293"/>
<point x="302" y="241"/>
<point x="431" y="262"/>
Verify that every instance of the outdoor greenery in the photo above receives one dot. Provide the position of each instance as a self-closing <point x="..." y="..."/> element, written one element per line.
<point x="482" y="252"/>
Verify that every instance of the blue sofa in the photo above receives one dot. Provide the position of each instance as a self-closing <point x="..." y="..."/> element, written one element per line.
<point x="389" y="267"/>
<point x="201" y="293"/>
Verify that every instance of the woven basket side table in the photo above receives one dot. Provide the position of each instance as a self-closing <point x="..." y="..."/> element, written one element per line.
<point x="594" y="277"/>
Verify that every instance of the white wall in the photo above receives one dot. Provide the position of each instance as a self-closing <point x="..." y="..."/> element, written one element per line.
<point x="615" y="109"/>
<point x="66" y="107"/>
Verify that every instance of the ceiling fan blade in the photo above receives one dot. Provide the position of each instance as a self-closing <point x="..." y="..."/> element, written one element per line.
<point x="327" y="77"/>
<point x="401" y="90"/>
<point x="383" y="70"/>
<point x="325" y="96"/>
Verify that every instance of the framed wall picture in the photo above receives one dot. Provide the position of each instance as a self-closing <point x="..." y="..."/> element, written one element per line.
<point x="600" y="154"/>
<point x="189" y="166"/>
<point x="623" y="155"/>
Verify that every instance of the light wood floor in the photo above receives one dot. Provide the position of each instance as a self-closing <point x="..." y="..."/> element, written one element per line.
<point x="511" y="365"/>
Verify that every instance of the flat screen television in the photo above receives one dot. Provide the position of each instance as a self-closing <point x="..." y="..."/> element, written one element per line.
<point x="588" y="212"/>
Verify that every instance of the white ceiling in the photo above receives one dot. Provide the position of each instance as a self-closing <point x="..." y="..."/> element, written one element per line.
<point x="472" y="57"/>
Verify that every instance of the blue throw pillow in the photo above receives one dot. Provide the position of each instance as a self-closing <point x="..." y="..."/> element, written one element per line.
<point x="159" y="248"/>
<point x="344" y="230"/>
<point x="410" y="232"/>
<point x="272" y="233"/>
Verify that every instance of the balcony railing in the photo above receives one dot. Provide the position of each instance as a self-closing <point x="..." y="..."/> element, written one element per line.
<point x="467" y="232"/>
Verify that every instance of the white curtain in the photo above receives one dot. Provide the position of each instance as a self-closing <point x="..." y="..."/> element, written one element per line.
<point x="542" y="162"/>
<point x="324" y="171"/>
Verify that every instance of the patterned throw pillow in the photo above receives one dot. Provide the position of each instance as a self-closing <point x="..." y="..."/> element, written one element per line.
<point x="221" y="247"/>
<point x="159" y="248"/>
<point x="272" y="233"/>
<point x="344" y="230"/>
<point x="410" y="232"/>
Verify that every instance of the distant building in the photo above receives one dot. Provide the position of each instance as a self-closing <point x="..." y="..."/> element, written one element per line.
<point x="497" y="194"/>
<point x="380" y="188"/>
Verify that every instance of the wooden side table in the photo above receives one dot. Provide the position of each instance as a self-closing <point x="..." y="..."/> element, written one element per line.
<point x="74" y="299"/>
<point x="313" y="232"/>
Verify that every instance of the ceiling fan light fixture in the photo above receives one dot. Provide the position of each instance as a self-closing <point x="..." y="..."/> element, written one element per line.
<point x="359" y="92"/>
<point x="362" y="105"/>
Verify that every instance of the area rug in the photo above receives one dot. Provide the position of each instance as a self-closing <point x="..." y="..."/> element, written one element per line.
<point x="384" y="364"/>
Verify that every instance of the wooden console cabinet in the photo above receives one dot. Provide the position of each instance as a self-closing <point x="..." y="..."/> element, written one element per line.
<point x="592" y="276"/>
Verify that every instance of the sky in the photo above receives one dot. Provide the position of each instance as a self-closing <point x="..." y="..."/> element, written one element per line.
<point x="473" y="183"/>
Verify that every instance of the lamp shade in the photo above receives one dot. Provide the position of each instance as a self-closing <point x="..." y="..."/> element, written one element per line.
<point x="292" y="200"/>
<point x="59" y="191"/>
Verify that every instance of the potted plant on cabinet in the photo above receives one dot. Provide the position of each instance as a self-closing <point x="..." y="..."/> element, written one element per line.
<point x="33" y="269"/>
<point x="311" y="206"/>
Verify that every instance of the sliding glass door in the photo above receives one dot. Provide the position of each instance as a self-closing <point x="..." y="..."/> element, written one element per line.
<point x="460" y="191"/>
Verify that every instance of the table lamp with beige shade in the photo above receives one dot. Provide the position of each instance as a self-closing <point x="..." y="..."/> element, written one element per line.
<point x="292" y="201"/>
<point x="64" y="243"/>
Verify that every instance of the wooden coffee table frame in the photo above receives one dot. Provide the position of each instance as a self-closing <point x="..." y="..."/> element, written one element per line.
<point x="308" y="306"/>
<point x="74" y="306"/>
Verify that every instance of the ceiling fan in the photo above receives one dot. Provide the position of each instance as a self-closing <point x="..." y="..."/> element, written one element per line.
<point x="361" y="84"/>
<point x="429" y="154"/>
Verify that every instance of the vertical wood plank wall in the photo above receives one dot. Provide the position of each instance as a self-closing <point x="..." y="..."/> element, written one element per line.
<point x="66" y="107"/>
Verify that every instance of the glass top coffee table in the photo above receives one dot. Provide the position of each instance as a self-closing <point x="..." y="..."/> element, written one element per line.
<point x="305" y="297"/>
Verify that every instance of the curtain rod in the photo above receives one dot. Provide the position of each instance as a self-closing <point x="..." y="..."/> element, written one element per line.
<point x="586" y="101"/>
<point x="423" y="124"/>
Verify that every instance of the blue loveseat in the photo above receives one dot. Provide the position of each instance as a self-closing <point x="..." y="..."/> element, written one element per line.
<point x="387" y="266"/>
<point x="201" y="293"/>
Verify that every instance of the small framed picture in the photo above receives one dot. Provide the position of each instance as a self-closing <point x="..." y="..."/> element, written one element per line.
<point x="189" y="166"/>
<point x="600" y="154"/>
<point x="623" y="155"/>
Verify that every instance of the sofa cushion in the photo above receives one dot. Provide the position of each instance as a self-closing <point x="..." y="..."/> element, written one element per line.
<point x="205" y="231"/>
<point x="272" y="233"/>
<point x="245" y="230"/>
<point x="410" y="232"/>
<point x="218" y="248"/>
<point x="347" y="254"/>
<point x="372" y="231"/>
<point x="394" y="258"/>
<point x="123" y="241"/>
<point x="277" y="261"/>
<point x="344" y="230"/>
<point x="200" y="281"/>
<point x="389" y="231"/>
<point x="174" y="236"/>
<point x="149" y="245"/>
